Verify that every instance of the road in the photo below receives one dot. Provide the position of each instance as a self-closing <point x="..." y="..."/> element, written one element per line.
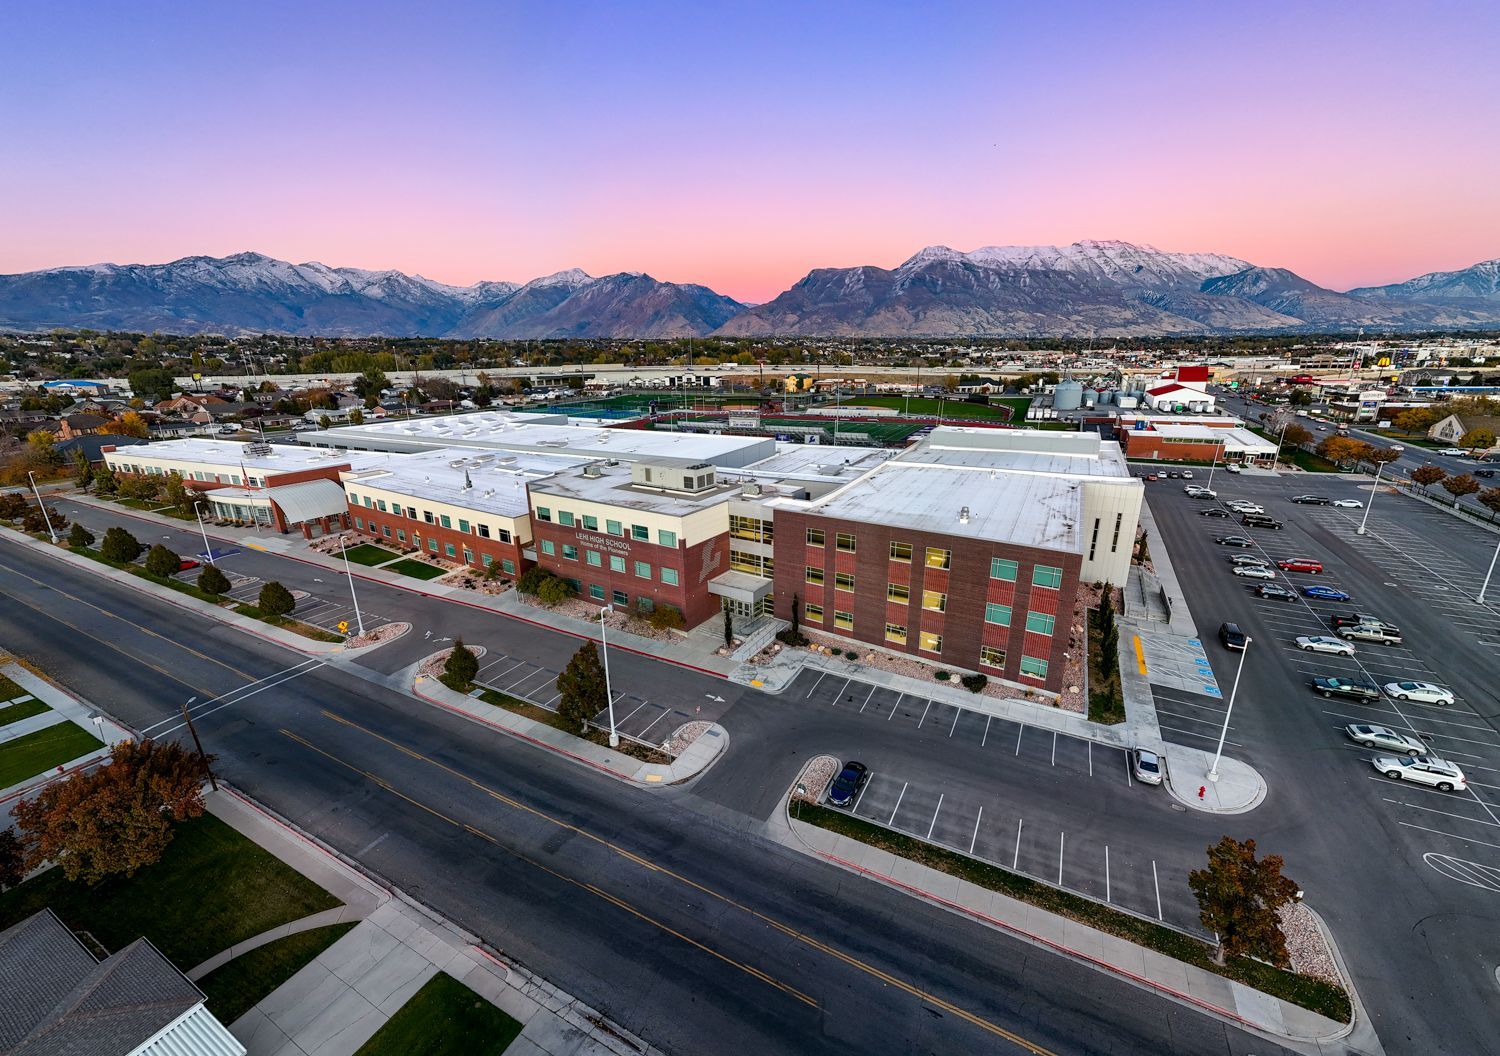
<point x="667" y="909"/>
<point x="1408" y="878"/>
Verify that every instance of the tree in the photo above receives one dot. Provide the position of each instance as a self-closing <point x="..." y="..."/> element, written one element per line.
<point x="728" y="628"/>
<point x="119" y="545"/>
<point x="356" y="417"/>
<point x="1417" y="420"/>
<point x="460" y="668"/>
<point x="116" y="818"/>
<point x="1461" y="485"/>
<point x="325" y="422"/>
<point x="1341" y="448"/>
<point x="667" y="618"/>
<point x="80" y="538"/>
<point x="532" y="579"/>
<point x="554" y="591"/>
<point x="12" y="859"/>
<point x="1426" y="475"/>
<point x="212" y="581"/>
<point x="41" y="448"/>
<point x="1109" y="633"/>
<point x="163" y="562"/>
<point x="796" y="615"/>
<point x="1490" y="499"/>
<point x="138" y="487"/>
<point x="83" y="470"/>
<point x="1296" y="435"/>
<point x="12" y="505"/>
<point x="1299" y="398"/>
<point x="132" y="424"/>
<point x="1239" y="899"/>
<point x="105" y="481"/>
<point x="1382" y="455"/>
<point x="275" y="600"/>
<point x="582" y="687"/>
<point x="153" y="383"/>
<point x="1477" y="440"/>
<point x="178" y="495"/>
<point x="35" y="520"/>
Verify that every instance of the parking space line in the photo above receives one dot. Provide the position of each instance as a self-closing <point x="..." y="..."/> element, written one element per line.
<point x="815" y="685"/>
<point x="653" y="722"/>
<point x="895" y="709"/>
<point x="842" y="690"/>
<point x="1434" y="810"/>
<point x="1015" y="863"/>
<point x="1440" y="832"/>
<point x="973" y="839"/>
<point x="956" y="713"/>
<point x="1106" y="873"/>
<point x="1061" y="844"/>
<point x="1018" y="738"/>
<point x="1156" y="884"/>
<point x="935" y="812"/>
<point x="627" y="718"/>
<point x="867" y="699"/>
<point x="508" y="670"/>
<point x="924" y="714"/>
<point x="1054" y="747"/>
<point x="987" y="720"/>
<point x="898" y="804"/>
<point x="1091" y="757"/>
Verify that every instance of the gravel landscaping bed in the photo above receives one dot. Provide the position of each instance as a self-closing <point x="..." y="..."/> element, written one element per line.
<point x="1306" y="945"/>
<point x="617" y="620"/>
<point x="815" y="777"/>
<point x="911" y="667"/>
<point x="386" y="632"/>
<point x="683" y="736"/>
<point x="432" y="666"/>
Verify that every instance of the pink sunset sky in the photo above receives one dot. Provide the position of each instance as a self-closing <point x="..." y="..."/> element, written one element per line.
<point x="740" y="146"/>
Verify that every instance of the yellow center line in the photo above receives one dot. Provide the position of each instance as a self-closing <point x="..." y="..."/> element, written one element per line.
<point x="1140" y="654"/>
<point x="785" y="929"/>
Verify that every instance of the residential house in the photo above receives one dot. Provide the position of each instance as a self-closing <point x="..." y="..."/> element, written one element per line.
<point x="1452" y="429"/>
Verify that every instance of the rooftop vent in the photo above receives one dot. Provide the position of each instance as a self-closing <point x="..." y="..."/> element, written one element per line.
<point x="592" y="471"/>
<point x="963" y="515"/>
<point x="750" y="490"/>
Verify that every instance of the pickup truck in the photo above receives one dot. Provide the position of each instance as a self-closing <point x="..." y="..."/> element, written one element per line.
<point x="1348" y="619"/>
<point x="1370" y="632"/>
<point x="1356" y="689"/>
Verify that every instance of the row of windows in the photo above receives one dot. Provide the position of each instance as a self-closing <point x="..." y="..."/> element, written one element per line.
<point x="752" y="529"/>
<point x="441" y="520"/>
<point x="756" y="564"/>
<point x="927" y="641"/>
<point x="617" y="563"/>
<point x="506" y="564"/>
<point x="936" y="557"/>
<point x="589" y="523"/>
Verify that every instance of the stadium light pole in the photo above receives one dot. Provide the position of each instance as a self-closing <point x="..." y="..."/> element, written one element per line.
<point x="1213" y="771"/>
<point x="41" y="506"/>
<point x="1486" y="584"/>
<point x="609" y="696"/>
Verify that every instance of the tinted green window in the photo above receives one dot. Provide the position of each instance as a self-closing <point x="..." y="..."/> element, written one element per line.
<point x="1046" y="576"/>
<point x="1000" y="568"/>
<point x="998" y="614"/>
<point x="1040" y="622"/>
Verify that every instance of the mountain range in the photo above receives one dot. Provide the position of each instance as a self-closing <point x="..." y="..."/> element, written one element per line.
<point x="1106" y="288"/>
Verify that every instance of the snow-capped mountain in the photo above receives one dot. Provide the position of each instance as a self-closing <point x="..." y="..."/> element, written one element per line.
<point x="1480" y="282"/>
<point x="1122" y="263"/>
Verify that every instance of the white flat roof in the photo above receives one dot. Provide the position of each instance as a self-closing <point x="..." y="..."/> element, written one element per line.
<point x="821" y="461"/>
<point x="284" y="458"/>
<point x="495" y="483"/>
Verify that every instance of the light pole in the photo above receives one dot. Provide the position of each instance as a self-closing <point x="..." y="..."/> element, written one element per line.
<point x="359" y="621"/>
<point x="1374" y="490"/>
<point x="1211" y="466"/>
<point x="41" y="506"/>
<point x="604" y="611"/>
<point x="1213" y="771"/>
<point x="1486" y="584"/>
<point x="1277" y="460"/>
<point x="208" y="551"/>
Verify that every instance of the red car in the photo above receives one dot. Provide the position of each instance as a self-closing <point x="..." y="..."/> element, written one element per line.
<point x="186" y="564"/>
<point x="1300" y="564"/>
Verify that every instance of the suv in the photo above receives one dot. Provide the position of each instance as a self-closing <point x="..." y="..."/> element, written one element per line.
<point x="1231" y="635"/>
<point x="1300" y="564"/>
<point x="1424" y="769"/>
<point x="1311" y="500"/>
<point x="1260" y="520"/>
<point x="1353" y="688"/>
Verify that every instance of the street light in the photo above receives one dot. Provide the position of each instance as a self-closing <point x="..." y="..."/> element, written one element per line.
<point x="604" y="611"/>
<point x="1486" y="584"/>
<point x="42" y="506"/>
<point x="1213" y="771"/>
<point x="359" y="621"/>
<point x="208" y="551"/>
<point x="1211" y="467"/>
<point x="1375" y="489"/>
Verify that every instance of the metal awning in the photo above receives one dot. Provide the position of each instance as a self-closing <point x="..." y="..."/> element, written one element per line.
<point x="740" y="586"/>
<point x="309" y="500"/>
<point x="239" y="496"/>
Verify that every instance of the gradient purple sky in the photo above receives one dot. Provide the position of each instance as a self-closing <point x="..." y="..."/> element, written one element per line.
<point x="740" y="145"/>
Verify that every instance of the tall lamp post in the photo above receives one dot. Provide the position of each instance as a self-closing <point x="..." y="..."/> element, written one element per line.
<point x="1277" y="460"/>
<point x="42" y="506"/>
<point x="609" y="696"/>
<point x="1486" y="584"/>
<point x="359" y="621"/>
<point x="1213" y="771"/>
<point x="208" y="551"/>
<point x="1375" y="490"/>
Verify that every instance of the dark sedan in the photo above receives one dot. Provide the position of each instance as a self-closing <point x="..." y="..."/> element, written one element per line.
<point x="846" y="787"/>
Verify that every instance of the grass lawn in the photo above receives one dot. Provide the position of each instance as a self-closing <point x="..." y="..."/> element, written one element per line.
<point x="368" y="554"/>
<point x="16" y="712"/>
<point x="1314" y="994"/>
<point x="9" y="690"/>
<point x="418" y="569"/>
<point x="444" y="1018"/>
<point x="1306" y="461"/>
<point x="548" y="717"/>
<point x="238" y="986"/>
<point x="1001" y="408"/>
<point x="42" y="750"/>
<point x="212" y="889"/>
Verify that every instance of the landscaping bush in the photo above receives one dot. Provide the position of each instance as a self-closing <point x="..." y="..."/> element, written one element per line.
<point x="667" y="618"/>
<point x="974" y="683"/>
<point x="943" y="676"/>
<point x="553" y="591"/>
<point x="119" y="545"/>
<point x="532" y="579"/>
<point x="275" y="600"/>
<point x="162" y="561"/>
<point x="212" y="581"/>
<point x="460" y="668"/>
<point x="12" y="505"/>
<point x="789" y="636"/>
<point x="35" y="520"/>
<point x="80" y="538"/>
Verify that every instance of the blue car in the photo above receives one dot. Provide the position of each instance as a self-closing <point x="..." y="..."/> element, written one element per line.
<point x="846" y="787"/>
<point x="1325" y="594"/>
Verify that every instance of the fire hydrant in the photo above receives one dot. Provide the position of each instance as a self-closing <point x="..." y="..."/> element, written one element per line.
<point x="1202" y="789"/>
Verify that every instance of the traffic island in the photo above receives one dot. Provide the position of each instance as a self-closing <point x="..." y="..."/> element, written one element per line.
<point x="1233" y="788"/>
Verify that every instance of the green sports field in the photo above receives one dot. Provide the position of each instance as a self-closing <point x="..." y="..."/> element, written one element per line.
<point x="1002" y="408"/>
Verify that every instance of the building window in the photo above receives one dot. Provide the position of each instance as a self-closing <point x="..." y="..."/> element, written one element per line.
<point x="444" y="521"/>
<point x="934" y="601"/>
<point x="989" y="656"/>
<point x="590" y="522"/>
<point x="570" y="552"/>
<point x="1046" y="576"/>
<point x="640" y="533"/>
<point x="843" y="581"/>
<point x="507" y="566"/>
<point x="1040" y="622"/>
<point x="380" y="505"/>
<point x="844" y="621"/>
<point x="755" y="564"/>
<point x="616" y="563"/>
<point x="894" y="632"/>
<point x="901" y="552"/>
<point x="565" y="518"/>
<point x="813" y="613"/>
<point x="547" y="547"/>
<point x="463" y="526"/>
<point x="669" y="576"/>
<point x="666" y="538"/>
<point x="432" y="545"/>
<point x="814" y="575"/>
<point x="846" y="542"/>
<point x="1002" y="568"/>
<point x="503" y="535"/>
<point x="898" y="592"/>
<point x="543" y="513"/>
<point x="358" y="523"/>
<point x="400" y="535"/>
<point x="370" y="503"/>
<point x="468" y="556"/>
<point x="997" y="614"/>
<point x="488" y="560"/>
<point x="593" y="557"/>
<point x="619" y="597"/>
<point x="815" y="537"/>
<point x="643" y="569"/>
<point x="929" y="642"/>
<point x="385" y="530"/>
<point x="427" y="516"/>
<point x="1030" y="665"/>
<point x="1115" y="543"/>
<point x="448" y="549"/>
<point x="483" y="530"/>
<point x="1094" y="539"/>
<point x="938" y="558"/>
<point x="613" y="528"/>
<point x="596" y="592"/>
<point x="751" y="529"/>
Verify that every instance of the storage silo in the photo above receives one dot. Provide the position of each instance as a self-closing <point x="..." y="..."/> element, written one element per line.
<point x="1068" y="396"/>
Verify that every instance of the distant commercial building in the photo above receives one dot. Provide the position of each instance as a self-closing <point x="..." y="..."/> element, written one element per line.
<point x="1179" y="389"/>
<point x="1174" y="438"/>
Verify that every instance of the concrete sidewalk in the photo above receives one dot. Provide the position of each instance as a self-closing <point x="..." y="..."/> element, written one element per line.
<point x="67" y="708"/>
<point x="336" y="1003"/>
<point x="1197" y="988"/>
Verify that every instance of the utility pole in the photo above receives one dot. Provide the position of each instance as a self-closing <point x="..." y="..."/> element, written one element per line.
<point x="187" y="718"/>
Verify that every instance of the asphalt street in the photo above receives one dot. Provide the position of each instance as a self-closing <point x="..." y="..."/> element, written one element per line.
<point x="665" y="909"/>
<point x="1406" y="876"/>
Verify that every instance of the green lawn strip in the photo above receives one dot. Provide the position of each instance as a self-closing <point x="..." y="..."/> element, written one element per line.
<point x="9" y="690"/>
<point x="444" y="1018"/>
<point x="236" y="987"/>
<point x="1304" y="460"/>
<point x="41" y="750"/>
<point x="1106" y="699"/>
<point x="16" y="712"/>
<point x="547" y="717"/>
<point x="370" y="555"/>
<point x="418" y="569"/>
<point x="1314" y="994"/>
<point x="1005" y="409"/>
<point x="212" y="889"/>
<point x="306" y="630"/>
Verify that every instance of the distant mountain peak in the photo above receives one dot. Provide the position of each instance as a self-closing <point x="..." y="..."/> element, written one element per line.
<point x="571" y="277"/>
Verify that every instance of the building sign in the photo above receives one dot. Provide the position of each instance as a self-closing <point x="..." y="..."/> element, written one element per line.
<point x="608" y="542"/>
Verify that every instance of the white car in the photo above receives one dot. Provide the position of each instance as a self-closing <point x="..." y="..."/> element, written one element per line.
<point x="1347" y="504"/>
<point x="1453" y="451"/>
<point x="1322" y="643"/>
<point x="1423" y="692"/>
<point x="1240" y="506"/>
<point x="1231" y="469"/>
<point x="1367" y="736"/>
<point x="1253" y="571"/>
<point x="1423" y="769"/>
<point x="1146" y="766"/>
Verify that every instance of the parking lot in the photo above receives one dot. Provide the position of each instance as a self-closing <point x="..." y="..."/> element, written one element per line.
<point x="1049" y="805"/>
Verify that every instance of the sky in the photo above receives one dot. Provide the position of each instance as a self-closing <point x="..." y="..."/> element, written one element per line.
<point x="740" y="145"/>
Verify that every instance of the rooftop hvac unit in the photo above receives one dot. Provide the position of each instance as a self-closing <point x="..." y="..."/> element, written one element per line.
<point x="750" y="490"/>
<point x="963" y="515"/>
<point x="592" y="471"/>
<point x="258" y="449"/>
